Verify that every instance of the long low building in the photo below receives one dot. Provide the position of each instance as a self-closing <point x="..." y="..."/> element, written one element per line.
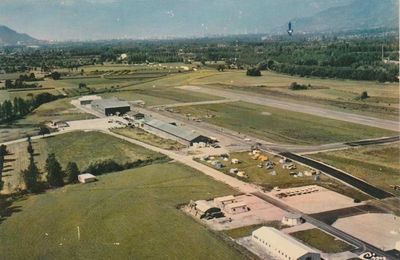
<point x="182" y="134"/>
<point x="283" y="246"/>
<point x="111" y="107"/>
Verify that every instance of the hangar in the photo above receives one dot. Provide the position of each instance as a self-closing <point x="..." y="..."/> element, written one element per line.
<point x="110" y="107"/>
<point x="182" y="134"/>
<point x="283" y="245"/>
<point x="87" y="100"/>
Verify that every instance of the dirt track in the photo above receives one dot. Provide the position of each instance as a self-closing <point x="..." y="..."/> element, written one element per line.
<point x="282" y="104"/>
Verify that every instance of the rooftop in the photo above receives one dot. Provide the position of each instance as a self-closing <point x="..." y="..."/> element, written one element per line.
<point x="284" y="241"/>
<point x="181" y="132"/>
<point x="225" y="198"/>
<point x="110" y="103"/>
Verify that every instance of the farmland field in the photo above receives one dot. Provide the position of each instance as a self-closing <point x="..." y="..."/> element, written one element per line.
<point x="125" y="215"/>
<point x="282" y="126"/>
<point x="379" y="165"/>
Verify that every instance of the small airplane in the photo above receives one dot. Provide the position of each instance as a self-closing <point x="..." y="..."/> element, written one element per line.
<point x="290" y="30"/>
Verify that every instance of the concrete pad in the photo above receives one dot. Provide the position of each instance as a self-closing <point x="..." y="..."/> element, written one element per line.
<point x="380" y="230"/>
<point x="316" y="201"/>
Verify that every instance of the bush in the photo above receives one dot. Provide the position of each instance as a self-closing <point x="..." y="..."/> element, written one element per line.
<point x="255" y="72"/>
<point x="364" y="95"/>
<point x="295" y="86"/>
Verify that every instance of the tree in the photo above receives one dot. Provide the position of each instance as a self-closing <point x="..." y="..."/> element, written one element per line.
<point x="30" y="148"/>
<point x="55" y="75"/>
<point x="31" y="175"/>
<point x="55" y="174"/>
<point x="364" y="95"/>
<point x="221" y="67"/>
<point x="253" y="72"/>
<point x="72" y="172"/>
<point x="44" y="130"/>
<point x="82" y="85"/>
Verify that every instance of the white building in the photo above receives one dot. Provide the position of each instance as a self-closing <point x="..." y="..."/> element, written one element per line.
<point x="236" y="208"/>
<point x="86" y="177"/>
<point x="221" y="202"/>
<point x="282" y="246"/>
<point x="291" y="219"/>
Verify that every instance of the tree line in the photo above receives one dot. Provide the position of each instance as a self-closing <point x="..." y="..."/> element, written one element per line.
<point x="19" y="107"/>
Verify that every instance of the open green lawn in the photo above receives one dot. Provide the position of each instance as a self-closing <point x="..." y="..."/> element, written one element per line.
<point x="126" y="215"/>
<point x="283" y="179"/>
<point x="282" y="126"/>
<point x="322" y="241"/>
<point x="149" y="138"/>
<point x="334" y="93"/>
<point x="378" y="165"/>
<point x="80" y="147"/>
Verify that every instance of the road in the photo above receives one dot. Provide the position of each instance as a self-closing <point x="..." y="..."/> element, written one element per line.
<point x="292" y="106"/>
<point x="338" y="174"/>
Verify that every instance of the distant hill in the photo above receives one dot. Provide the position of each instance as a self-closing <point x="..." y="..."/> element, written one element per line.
<point x="11" y="37"/>
<point x="358" y="14"/>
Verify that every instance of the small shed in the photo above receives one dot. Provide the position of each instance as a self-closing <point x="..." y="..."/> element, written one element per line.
<point x="236" y="208"/>
<point x="292" y="219"/>
<point x="86" y="178"/>
<point x="235" y="161"/>
<point x="138" y="116"/>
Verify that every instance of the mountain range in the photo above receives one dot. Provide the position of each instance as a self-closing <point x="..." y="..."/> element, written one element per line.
<point x="116" y="19"/>
<point x="359" y="14"/>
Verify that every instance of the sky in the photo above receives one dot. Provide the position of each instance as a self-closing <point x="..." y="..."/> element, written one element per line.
<point x="145" y="19"/>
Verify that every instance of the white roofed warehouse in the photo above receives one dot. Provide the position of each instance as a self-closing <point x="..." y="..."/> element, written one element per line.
<point x="179" y="133"/>
<point x="110" y="107"/>
<point x="282" y="245"/>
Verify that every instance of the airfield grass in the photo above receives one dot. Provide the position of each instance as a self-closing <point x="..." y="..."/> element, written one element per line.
<point x="264" y="178"/>
<point x="332" y="93"/>
<point x="322" y="241"/>
<point x="281" y="126"/>
<point x="378" y="165"/>
<point x="126" y="215"/>
<point x="161" y="96"/>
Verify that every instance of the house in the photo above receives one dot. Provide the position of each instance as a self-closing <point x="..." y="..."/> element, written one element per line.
<point x="221" y="202"/>
<point x="263" y="158"/>
<point x="282" y="246"/>
<point x="60" y="124"/>
<point x="111" y="106"/>
<point x="291" y="219"/>
<point x="233" y="171"/>
<point x="86" y="178"/>
<point x="236" y="208"/>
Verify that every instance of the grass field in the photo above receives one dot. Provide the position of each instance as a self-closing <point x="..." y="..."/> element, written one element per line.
<point x="334" y="93"/>
<point x="146" y="137"/>
<point x="281" y="125"/>
<point x="283" y="179"/>
<point x="378" y="165"/>
<point x="80" y="147"/>
<point x="126" y="215"/>
<point x="161" y="96"/>
<point x="322" y="241"/>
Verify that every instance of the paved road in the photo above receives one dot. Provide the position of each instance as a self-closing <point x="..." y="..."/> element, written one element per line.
<point x="338" y="174"/>
<point x="375" y="141"/>
<point x="292" y="106"/>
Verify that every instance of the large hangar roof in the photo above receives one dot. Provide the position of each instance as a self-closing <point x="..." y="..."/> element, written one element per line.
<point x="181" y="132"/>
<point x="110" y="103"/>
<point x="282" y="241"/>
